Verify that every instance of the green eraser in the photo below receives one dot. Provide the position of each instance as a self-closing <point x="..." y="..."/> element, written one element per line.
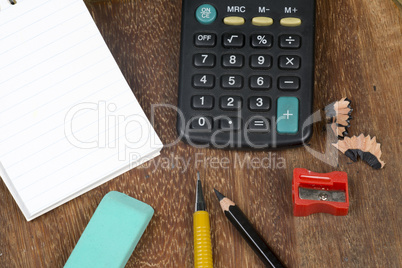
<point x="112" y="233"/>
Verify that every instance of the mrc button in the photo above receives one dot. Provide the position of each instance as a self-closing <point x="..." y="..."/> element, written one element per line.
<point x="206" y="14"/>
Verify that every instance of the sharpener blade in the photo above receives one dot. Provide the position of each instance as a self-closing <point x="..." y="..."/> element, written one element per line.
<point x="322" y="195"/>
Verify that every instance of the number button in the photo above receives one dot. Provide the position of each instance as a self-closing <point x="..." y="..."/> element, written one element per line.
<point x="205" y="40"/>
<point x="202" y="102"/>
<point x="289" y="83"/>
<point x="233" y="40"/>
<point x="231" y="103"/>
<point x="259" y="103"/>
<point x="201" y="122"/>
<point x="229" y="123"/>
<point x="232" y="81"/>
<point x="204" y="60"/>
<point x="206" y="81"/>
<point x="289" y="41"/>
<point x="261" y="40"/>
<point x="232" y="61"/>
<point x="261" y="61"/>
<point x="289" y="62"/>
<point x="260" y="82"/>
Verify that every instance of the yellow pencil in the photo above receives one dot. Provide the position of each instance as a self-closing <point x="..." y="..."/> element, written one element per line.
<point x="202" y="231"/>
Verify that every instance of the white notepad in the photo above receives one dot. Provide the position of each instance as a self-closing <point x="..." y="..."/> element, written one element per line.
<point x="68" y="119"/>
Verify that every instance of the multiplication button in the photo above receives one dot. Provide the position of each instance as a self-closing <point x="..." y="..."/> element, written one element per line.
<point x="289" y="62"/>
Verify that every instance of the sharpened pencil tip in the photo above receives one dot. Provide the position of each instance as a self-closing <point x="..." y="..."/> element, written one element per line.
<point x="219" y="195"/>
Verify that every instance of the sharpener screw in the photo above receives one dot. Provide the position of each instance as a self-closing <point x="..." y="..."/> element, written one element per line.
<point x="323" y="196"/>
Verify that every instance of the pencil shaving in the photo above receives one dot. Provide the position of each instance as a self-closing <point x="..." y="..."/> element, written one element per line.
<point x="367" y="148"/>
<point x="338" y="114"/>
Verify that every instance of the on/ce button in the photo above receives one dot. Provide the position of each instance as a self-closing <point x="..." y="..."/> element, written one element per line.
<point x="206" y="14"/>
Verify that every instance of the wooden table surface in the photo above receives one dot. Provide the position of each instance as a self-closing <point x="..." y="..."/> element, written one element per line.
<point x="358" y="55"/>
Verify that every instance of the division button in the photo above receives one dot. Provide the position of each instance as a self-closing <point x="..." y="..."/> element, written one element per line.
<point x="289" y="83"/>
<point x="204" y="40"/>
<point x="262" y="21"/>
<point x="206" y="14"/>
<point x="289" y="41"/>
<point x="289" y="62"/>
<point x="290" y="22"/>
<point x="288" y="115"/>
<point x="233" y="40"/>
<point x="234" y="21"/>
<point x="261" y="40"/>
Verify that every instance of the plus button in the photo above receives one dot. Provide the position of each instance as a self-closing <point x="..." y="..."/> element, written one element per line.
<point x="287" y="114"/>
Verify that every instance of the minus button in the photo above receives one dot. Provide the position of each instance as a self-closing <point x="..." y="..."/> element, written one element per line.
<point x="289" y="83"/>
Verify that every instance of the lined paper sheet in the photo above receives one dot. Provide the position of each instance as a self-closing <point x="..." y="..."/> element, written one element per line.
<point x="68" y="119"/>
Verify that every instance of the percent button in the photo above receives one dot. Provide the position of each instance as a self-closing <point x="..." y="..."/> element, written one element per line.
<point x="261" y="40"/>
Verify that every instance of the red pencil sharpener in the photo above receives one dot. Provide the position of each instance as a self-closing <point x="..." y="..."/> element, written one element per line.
<point x="320" y="192"/>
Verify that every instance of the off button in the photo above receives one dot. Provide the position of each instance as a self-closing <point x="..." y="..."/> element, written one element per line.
<point x="206" y="14"/>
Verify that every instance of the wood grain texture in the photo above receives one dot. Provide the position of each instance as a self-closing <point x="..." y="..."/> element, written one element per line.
<point x="358" y="54"/>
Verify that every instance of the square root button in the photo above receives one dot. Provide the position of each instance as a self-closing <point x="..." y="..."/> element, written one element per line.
<point x="287" y="115"/>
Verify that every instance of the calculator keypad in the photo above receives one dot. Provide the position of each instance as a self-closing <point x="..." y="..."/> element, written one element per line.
<point x="250" y="70"/>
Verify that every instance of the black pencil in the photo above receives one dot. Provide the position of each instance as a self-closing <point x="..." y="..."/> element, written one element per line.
<point x="242" y="224"/>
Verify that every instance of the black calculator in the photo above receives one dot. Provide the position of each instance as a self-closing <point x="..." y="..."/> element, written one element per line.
<point x="246" y="73"/>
